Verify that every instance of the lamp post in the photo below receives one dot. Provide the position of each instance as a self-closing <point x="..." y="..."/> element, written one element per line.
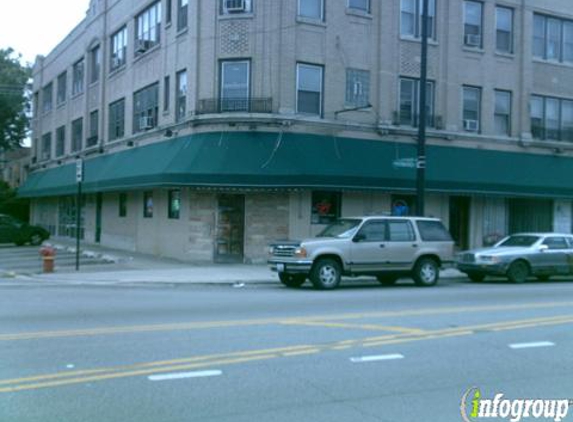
<point x="421" y="156"/>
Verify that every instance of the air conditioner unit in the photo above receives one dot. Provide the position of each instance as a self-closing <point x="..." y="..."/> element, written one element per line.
<point x="146" y="122"/>
<point x="471" y="125"/>
<point x="472" y="40"/>
<point x="116" y="62"/>
<point x="142" y="46"/>
<point x="234" y="6"/>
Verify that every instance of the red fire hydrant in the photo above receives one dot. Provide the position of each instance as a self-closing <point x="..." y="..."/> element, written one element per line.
<point x="48" y="254"/>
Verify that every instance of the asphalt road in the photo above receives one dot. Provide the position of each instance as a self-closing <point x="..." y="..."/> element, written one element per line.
<point x="267" y="353"/>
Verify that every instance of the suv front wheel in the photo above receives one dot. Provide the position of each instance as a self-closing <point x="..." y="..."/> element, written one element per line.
<point x="325" y="274"/>
<point x="426" y="272"/>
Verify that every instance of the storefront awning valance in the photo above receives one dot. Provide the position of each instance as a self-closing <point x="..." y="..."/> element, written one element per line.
<point x="288" y="160"/>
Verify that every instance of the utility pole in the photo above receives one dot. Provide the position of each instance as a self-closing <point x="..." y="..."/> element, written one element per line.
<point x="421" y="159"/>
<point x="79" y="180"/>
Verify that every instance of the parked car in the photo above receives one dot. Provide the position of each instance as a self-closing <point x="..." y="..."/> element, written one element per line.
<point x="519" y="256"/>
<point x="15" y="231"/>
<point x="385" y="247"/>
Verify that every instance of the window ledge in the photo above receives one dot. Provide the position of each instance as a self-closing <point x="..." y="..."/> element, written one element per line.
<point x="359" y="13"/>
<point x="182" y="31"/>
<point x="77" y="95"/>
<point x="474" y="50"/>
<point x="568" y="65"/>
<point x="147" y="53"/>
<point x="117" y="70"/>
<point x="504" y="55"/>
<point x="311" y="21"/>
<point x="233" y="16"/>
<point x="407" y="38"/>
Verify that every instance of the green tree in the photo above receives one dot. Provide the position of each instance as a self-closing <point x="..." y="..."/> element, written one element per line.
<point x="14" y="99"/>
<point x="11" y="204"/>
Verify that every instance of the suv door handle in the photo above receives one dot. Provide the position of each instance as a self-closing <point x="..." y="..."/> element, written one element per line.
<point x="414" y="245"/>
<point x="382" y="245"/>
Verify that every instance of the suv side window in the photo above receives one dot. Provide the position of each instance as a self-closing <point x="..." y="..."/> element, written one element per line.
<point x="373" y="231"/>
<point x="400" y="231"/>
<point x="433" y="231"/>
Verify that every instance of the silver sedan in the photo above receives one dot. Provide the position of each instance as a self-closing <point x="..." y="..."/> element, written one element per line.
<point x="519" y="256"/>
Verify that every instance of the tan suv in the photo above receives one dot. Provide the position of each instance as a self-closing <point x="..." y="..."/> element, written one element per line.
<point x="385" y="247"/>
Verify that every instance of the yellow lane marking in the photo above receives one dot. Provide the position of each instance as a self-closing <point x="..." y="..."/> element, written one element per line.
<point x="374" y="327"/>
<point x="186" y="326"/>
<point x="76" y="377"/>
<point x="278" y="350"/>
<point x="107" y="376"/>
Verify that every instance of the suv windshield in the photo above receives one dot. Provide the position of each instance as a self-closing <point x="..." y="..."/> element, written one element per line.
<point x="341" y="228"/>
<point x="519" y="240"/>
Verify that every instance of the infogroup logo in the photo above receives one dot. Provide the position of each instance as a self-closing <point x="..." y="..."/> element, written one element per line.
<point x="475" y="408"/>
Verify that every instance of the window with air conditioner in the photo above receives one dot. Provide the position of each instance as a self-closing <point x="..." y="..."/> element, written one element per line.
<point x="473" y="23"/>
<point x="145" y="108"/>
<point x="471" y="108"/>
<point x="235" y="6"/>
<point x="148" y="28"/>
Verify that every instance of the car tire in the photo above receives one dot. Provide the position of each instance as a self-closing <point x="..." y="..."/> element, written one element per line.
<point x="36" y="239"/>
<point x="426" y="272"/>
<point x="518" y="272"/>
<point x="19" y="243"/>
<point x="543" y="277"/>
<point x="325" y="274"/>
<point x="476" y="277"/>
<point x="387" y="280"/>
<point x="292" y="280"/>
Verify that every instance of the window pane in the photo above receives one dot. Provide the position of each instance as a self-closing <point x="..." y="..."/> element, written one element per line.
<point x="568" y="42"/>
<point x="552" y="118"/>
<point x="309" y="89"/>
<point x="471" y="103"/>
<point x="148" y="204"/>
<point x="504" y="21"/>
<point x="407" y="101"/>
<point x="174" y="204"/>
<point x="357" y="87"/>
<point x="539" y="36"/>
<point x="374" y="231"/>
<point x="359" y="4"/>
<point x="310" y="8"/>
<point x="408" y="17"/>
<point x="567" y="121"/>
<point x="536" y="110"/>
<point x="235" y="86"/>
<point x="553" y="39"/>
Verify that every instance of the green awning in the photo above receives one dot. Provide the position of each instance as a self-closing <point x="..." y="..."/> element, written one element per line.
<point x="274" y="160"/>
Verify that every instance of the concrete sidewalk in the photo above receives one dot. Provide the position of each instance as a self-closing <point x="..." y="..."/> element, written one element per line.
<point x="133" y="267"/>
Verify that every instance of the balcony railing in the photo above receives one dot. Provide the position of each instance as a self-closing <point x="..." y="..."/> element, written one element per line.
<point x="234" y="105"/>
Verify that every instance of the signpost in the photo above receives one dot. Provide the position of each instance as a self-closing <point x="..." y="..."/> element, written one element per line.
<point x="79" y="180"/>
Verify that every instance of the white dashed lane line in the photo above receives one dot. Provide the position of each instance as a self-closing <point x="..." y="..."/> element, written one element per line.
<point x="182" y="375"/>
<point x="531" y="345"/>
<point x="363" y="359"/>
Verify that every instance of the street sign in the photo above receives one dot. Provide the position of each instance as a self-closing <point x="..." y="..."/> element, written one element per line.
<point x="79" y="170"/>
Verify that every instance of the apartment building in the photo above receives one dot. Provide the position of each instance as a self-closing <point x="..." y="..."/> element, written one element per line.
<point x="208" y="128"/>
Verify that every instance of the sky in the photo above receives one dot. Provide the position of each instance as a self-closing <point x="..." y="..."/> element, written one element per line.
<point x="33" y="27"/>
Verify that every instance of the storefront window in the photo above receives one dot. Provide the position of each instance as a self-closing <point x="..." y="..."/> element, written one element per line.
<point x="174" y="203"/>
<point x="402" y="205"/>
<point x="325" y="207"/>
<point x="148" y="204"/>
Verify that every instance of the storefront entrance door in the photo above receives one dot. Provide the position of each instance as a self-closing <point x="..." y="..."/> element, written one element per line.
<point x="230" y="228"/>
<point x="460" y="220"/>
